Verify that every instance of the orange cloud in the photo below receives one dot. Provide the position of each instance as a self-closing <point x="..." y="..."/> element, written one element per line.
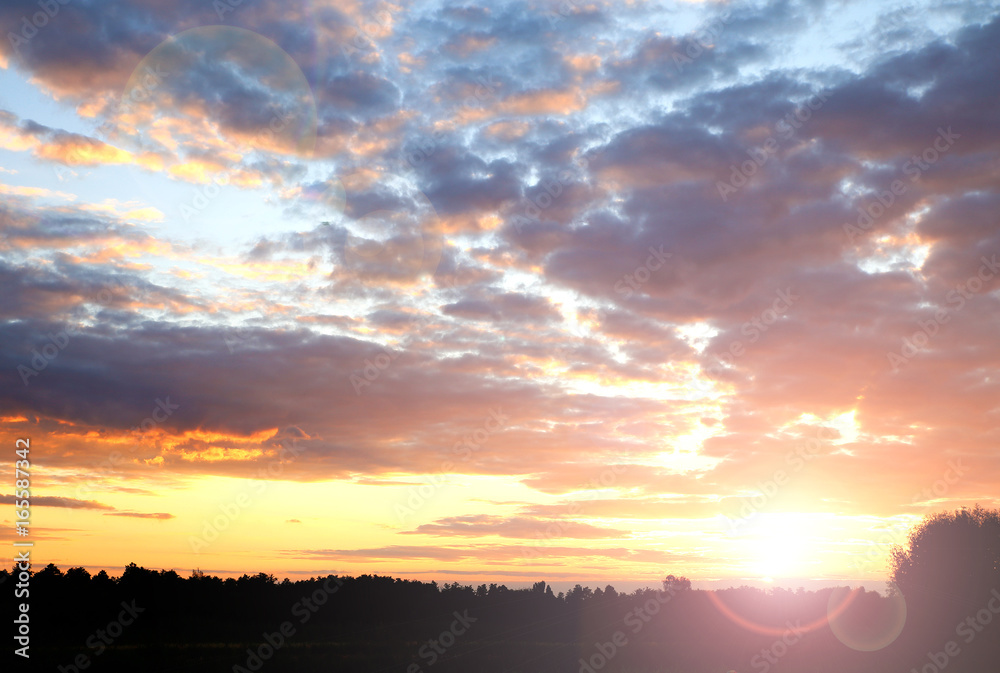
<point x="80" y="151"/>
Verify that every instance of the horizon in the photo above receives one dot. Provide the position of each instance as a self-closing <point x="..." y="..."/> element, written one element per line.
<point x="627" y="586"/>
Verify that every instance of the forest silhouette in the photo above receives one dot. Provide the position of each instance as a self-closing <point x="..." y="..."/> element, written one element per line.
<point x="941" y="610"/>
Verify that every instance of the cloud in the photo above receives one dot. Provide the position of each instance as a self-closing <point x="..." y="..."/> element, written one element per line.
<point x="477" y="525"/>
<point x="56" y="501"/>
<point x="512" y="181"/>
<point x="499" y="553"/>
<point x="58" y="146"/>
<point x="514" y="307"/>
<point x="143" y="515"/>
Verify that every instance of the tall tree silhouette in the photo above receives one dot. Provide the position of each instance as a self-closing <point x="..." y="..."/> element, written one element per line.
<point x="950" y="557"/>
<point x="949" y="573"/>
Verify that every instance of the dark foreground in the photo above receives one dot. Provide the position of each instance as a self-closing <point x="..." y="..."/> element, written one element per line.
<point x="158" y="621"/>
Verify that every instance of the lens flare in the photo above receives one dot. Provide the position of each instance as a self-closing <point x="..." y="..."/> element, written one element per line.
<point x="206" y="90"/>
<point x="870" y="624"/>
<point x="835" y="609"/>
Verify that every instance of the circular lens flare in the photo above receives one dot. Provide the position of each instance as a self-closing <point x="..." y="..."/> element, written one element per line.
<point x="205" y="91"/>
<point x="870" y="624"/>
<point x="835" y="609"/>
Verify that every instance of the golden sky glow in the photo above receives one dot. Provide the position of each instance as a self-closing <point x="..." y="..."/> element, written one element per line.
<point x="359" y="288"/>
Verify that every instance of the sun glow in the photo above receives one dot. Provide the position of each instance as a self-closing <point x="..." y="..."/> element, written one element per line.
<point x="776" y="556"/>
<point x="777" y="547"/>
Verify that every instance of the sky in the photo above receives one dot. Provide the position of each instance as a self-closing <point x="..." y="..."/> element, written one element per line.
<point x="502" y="292"/>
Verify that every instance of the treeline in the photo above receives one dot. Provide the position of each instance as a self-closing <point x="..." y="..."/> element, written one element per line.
<point x="373" y="623"/>
<point x="947" y="607"/>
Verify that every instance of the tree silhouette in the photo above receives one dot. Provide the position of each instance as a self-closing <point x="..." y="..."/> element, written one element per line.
<point x="949" y="573"/>
<point x="950" y="557"/>
<point x="675" y="585"/>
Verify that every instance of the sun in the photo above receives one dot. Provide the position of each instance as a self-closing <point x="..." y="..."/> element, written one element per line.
<point x="776" y="557"/>
<point x="774" y="549"/>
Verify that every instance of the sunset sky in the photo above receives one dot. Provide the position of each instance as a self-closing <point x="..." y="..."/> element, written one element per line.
<point x="499" y="292"/>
